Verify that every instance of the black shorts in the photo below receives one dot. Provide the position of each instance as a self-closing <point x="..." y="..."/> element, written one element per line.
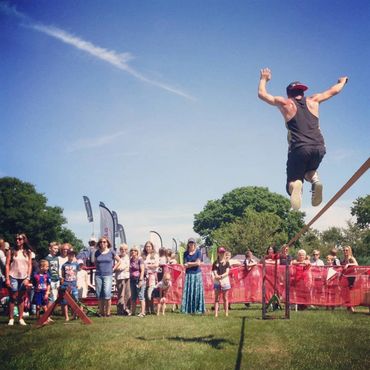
<point x="302" y="160"/>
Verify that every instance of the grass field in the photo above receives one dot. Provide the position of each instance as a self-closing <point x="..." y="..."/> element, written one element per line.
<point x="311" y="339"/>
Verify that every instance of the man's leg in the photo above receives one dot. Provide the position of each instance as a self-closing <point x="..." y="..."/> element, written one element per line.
<point x="295" y="175"/>
<point x="295" y="191"/>
<point x="316" y="187"/>
<point x="315" y="157"/>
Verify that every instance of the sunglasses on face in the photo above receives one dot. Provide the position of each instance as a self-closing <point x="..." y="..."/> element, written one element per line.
<point x="19" y="238"/>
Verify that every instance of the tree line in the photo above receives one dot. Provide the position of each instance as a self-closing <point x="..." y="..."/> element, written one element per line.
<point x="253" y="217"/>
<point x="246" y="217"/>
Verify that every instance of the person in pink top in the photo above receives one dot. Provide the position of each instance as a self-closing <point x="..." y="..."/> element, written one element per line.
<point x="17" y="275"/>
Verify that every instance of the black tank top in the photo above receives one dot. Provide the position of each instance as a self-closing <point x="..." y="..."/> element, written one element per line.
<point x="304" y="128"/>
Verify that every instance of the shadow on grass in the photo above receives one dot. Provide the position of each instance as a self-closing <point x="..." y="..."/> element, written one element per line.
<point x="239" y="355"/>
<point x="215" y="343"/>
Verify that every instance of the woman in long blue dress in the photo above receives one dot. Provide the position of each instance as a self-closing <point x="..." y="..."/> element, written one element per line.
<point x="193" y="292"/>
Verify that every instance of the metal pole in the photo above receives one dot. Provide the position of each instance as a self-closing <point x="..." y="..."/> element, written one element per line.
<point x="263" y="289"/>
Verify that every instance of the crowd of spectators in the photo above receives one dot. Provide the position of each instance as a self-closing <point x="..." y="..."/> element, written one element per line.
<point x="139" y="275"/>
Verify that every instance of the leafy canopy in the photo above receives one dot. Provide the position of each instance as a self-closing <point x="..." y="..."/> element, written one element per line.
<point x="248" y="210"/>
<point x="23" y="210"/>
<point x="361" y="209"/>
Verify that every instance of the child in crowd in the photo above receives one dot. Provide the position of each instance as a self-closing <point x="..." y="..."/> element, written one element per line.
<point x="162" y="262"/>
<point x="220" y="272"/>
<point x="69" y="279"/>
<point x="83" y="283"/>
<point x="162" y="288"/>
<point x="333" y="253"/>
<point x="53" y="260"/>
<point x="171" y="257"/>
<point x="42" y="284"/>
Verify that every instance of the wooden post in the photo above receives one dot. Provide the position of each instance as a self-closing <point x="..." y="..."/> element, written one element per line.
<point x="64" y="294"/>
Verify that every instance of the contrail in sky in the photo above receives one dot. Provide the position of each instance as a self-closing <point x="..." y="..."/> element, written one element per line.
<point x="118" y="60"/>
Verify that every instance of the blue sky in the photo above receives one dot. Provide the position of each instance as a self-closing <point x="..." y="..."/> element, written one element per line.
<point x="152" y="108"/>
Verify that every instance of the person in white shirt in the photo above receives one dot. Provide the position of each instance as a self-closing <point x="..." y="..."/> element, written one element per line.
<point x="63" y="256"/>
<point x="122" y="275"/>
<point x="316" y="261"/>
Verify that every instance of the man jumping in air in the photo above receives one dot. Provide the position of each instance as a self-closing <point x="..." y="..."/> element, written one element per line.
<point x="306" y="143"/>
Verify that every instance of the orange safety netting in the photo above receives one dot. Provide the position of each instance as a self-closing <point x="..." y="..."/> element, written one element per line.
<point x="319" y="286"/>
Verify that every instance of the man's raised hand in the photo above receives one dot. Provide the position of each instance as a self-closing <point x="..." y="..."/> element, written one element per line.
<point x="265" y="74"/>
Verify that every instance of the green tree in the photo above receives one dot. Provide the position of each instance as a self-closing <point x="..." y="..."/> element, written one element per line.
<point x="312" y="240"/>
<point x="232" y="206"/>
<point x="359" y="240"/>
<point x="23" y="210"/>
<point x="332" y="237"/>
<point x="361" y="209"/>
<point x="255" y="230"/>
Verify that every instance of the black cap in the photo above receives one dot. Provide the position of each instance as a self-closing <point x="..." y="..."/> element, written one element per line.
<point x="296" y="85"/>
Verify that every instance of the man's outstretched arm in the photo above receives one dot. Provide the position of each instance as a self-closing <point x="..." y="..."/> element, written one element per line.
<point x="334" y="90"/>
<point x="262" y="91"/>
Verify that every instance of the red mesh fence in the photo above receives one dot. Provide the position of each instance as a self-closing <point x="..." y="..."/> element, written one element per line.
<point x="319" y="286"/>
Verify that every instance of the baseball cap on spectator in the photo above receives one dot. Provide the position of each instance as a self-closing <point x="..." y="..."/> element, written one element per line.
<point x="93" y="239"/>
<point x="221" y="250"/>
<point x="191" y="240"/>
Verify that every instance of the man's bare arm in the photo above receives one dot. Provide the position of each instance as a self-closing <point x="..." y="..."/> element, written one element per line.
<point x="334" y="90"/>
<point x="262" y="91"/>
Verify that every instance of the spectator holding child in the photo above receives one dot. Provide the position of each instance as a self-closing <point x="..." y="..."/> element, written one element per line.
<point x="193" y="292"/>
<point x="17" y="275"/>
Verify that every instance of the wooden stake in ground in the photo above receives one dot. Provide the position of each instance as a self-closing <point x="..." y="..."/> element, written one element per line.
<point x="64" y="295"/>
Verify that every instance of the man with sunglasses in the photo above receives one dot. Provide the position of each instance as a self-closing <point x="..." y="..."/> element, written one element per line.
<point x="306" y="143"/>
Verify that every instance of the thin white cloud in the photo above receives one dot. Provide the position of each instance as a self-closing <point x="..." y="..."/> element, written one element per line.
<point x="93" y="142"/>
<point x="12" y="11"/>
<point x="118" y="60"/>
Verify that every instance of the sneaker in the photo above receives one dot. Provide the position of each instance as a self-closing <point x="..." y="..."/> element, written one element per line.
<point x="11" y="322"/>
<point x="22" y="322"/>
<point x="316" y="190"/>
<point x="295" y="189"/>
<point x="141" y="315"/>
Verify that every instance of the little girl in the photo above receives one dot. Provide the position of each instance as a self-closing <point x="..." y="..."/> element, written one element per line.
<point x="41" y="282"/>
<point x="220" y="272"/>
<point x="163" y="287"/>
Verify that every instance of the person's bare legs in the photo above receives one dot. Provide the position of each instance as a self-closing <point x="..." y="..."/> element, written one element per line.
<point x="216" y="303"/>
<point x="65" y="311"/>
<point x="226" y="302"/>
<point x="142" y="305"/>
<point x="101" y="307"/>
<point x="108" y="305"/>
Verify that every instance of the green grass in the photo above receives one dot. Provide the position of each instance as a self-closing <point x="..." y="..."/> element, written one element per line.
<point x="312" y="339"/>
